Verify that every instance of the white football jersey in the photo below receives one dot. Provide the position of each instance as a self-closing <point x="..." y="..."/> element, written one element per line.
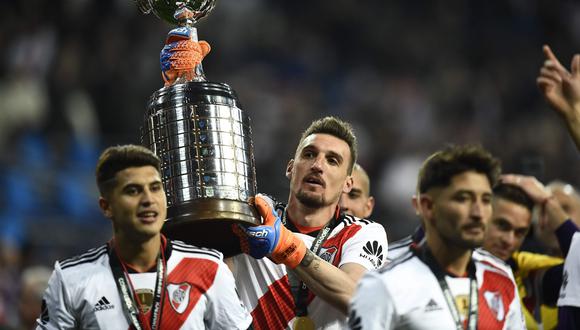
<point x="406" y="295"/>
<point x="199" y="292"/>
<point x="265" y="289"/>
<point x="570" y="290"/>
<point x="399" y="248"/>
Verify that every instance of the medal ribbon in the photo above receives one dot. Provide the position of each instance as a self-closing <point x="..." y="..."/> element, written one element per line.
<point x="127" y="293"/>
<point x="427" y="257"/>
<point x="298" y="288"/>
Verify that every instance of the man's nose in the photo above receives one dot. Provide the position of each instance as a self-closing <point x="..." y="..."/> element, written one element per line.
<point x="509" y="237"/>
<point x="318" y="162"/>
<point x="476" y="210"/>
<point x="147" y="197"/>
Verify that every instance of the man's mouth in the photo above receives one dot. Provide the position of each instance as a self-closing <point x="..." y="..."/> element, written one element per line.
<point x="314" y="180"/>
<point x="501" y="252"/>
<point x="474" y="228"/>
<point x="147" y="216"/>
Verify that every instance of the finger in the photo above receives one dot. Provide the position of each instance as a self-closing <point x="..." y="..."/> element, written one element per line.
<point x="169" y="77"/>
<point x="545" y="84"/>
<point x="510" y="178"/>
<point x="550" y="55"/>
<point x="265" y="210"/>
<point x="558" y="66"/>
<point x="547" y="73"/>
<point x="205" y="47"/>
<point x="576" y="65"/>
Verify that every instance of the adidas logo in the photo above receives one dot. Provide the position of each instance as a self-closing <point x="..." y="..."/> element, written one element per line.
<point x="374" y="253"/>
<point x="103" y="304"/>
<point x="432" y="306"/>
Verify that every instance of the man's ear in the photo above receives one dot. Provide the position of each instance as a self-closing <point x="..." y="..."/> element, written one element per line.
<point x="105" y="207"/>
<point x="289" y="169"/>
<point x="369" y="206"/>
<point x="415" y="204"/>
<point x="348" y="184"/>
<point x="425" y="206"/>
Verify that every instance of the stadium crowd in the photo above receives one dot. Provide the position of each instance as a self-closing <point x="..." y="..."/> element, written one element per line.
<point x="410" y="77"/>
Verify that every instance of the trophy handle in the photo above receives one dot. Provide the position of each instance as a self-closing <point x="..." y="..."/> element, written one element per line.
<point x="144" y="6"/>
<point x="185" y="17"/>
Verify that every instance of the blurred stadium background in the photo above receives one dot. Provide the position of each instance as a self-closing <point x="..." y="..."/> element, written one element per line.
<point x="75" y="76"/>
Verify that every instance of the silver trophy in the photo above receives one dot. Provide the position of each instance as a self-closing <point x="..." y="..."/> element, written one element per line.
<point x="203" y="138"/>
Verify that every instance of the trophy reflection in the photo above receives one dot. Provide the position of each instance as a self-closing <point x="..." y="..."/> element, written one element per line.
<point x="203" y="138"/>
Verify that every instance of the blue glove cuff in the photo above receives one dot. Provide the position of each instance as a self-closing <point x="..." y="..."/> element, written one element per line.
<point x="182" y="32"/>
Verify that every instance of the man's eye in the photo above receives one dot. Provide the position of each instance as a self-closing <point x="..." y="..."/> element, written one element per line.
<point x="503" y="226"/>
<point x="132" y="191"/>
<point x="333" y="161"/>
<point x="308" y="154"/>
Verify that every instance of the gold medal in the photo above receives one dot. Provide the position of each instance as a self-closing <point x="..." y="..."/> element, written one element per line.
<point x="303" y="323"/>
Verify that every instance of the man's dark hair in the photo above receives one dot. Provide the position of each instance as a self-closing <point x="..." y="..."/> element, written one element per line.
<point x="337" y="128"/>
<point x="117" y="158"/>
<point x="441" y="166"/>
<point x="513" y="194"/>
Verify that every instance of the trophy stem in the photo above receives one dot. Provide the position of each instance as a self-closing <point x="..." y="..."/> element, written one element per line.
<point x="186" y="18"/>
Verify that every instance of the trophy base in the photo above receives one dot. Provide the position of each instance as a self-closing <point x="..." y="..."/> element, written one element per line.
<point x="207" y="223"/>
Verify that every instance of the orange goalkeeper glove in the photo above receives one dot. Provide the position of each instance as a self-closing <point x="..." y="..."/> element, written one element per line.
<point x="272" y="238"/>
<point x="181" y="55"/>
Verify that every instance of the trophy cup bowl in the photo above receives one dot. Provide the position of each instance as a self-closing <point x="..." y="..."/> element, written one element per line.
<point x="165" y="9"/>
<point x="203" y="138"/>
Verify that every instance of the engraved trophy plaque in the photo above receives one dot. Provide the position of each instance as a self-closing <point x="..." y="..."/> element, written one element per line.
<point x="203" y="138"/>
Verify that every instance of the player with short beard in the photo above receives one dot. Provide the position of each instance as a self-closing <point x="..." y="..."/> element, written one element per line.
<point x="445" y="283"/>
<point x="343" y="247"/>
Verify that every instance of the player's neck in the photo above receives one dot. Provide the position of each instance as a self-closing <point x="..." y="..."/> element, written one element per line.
<point x="451" y="258"/>
<point x="307" y="216"/>
<point x="140" y="255"/>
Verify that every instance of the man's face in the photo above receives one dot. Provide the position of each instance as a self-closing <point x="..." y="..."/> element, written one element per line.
<point x="459" y="212"/>
<point x="509" y="226"/>
<point x="137" y="204"/>
<point x="319" y="172"/>
<point x="358" y="202"/>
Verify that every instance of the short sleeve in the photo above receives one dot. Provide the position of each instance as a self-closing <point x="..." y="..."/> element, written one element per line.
<point x="368" y="247"/>
<point x="570" y="290"/>
<point x="368" y="312"/>
<point x="56" y="313"/>
<point x="225" y="310"/>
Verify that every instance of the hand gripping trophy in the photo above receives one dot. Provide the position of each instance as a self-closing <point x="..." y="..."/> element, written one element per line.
<point x="202" y="136"/>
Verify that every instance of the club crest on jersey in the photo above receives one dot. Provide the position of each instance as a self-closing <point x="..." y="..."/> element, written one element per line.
<point x="495" y="304"/>
<point x="328" y="254"/>
<point x="179" y="296"/>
